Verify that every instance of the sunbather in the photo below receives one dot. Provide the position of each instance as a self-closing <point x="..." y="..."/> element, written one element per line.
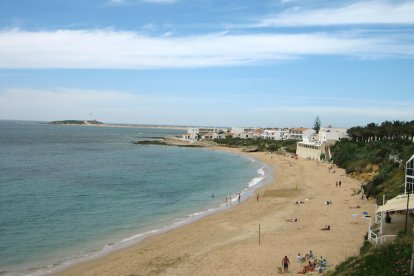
<point x="292" y="220"/>
<point x="300" y="258"/>
<point x="326" y="228"/>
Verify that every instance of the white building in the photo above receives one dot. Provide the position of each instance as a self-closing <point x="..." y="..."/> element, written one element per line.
<point x="311" y="150"/>
<point x="274" y="134"/>
<point x="332" y="134"/>
<point x="257" y="133"/>
<point x="219" y="135"/>
<point x="245" y="132"/>
<point x="239" y="130"/>
<point x="244" y="135"/>
<point x="309" y="135"/>
<point x="296" y="133"/>
<point x="204" y="133"/>
<point x="314" y="145"/>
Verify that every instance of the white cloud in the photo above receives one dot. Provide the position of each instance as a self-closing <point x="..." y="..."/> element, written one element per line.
<point x="364" y="12"/>
<point x="120" y="49"/>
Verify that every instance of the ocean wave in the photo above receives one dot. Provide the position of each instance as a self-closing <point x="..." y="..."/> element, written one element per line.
<point x="257" y="180"/>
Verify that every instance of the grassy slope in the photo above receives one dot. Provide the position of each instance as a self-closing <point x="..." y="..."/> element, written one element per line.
<point x="389" y="259"/>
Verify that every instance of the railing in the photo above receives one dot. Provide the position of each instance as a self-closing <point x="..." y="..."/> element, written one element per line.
<point x="382" y="239"/>
<point x="375" y="240"/>
<point x="378" y="217"/>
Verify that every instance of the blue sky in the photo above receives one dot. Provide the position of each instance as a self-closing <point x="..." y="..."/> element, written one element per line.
<point x="270" y="63"/>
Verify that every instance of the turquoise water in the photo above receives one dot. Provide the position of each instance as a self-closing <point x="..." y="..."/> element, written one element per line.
<point x="73" y="192"/>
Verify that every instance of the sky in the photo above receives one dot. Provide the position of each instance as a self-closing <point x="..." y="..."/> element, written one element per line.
<point x="268" y="63"/>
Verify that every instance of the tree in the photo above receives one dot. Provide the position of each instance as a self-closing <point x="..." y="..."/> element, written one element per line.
<point x="317" y="124"/>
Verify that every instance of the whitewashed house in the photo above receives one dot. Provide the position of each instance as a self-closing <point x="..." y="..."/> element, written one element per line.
<point x="275" y="134"/>
<point x="219" y="135"/>
<point x="309" y="135"/>
<point x="332" y="134"/>
<point x="296" y="133"/>
<point x="243" y="132"/>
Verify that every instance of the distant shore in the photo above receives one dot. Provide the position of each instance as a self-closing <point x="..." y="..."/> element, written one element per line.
<point x="100" y="124"/>
<point x="226" y="243"/>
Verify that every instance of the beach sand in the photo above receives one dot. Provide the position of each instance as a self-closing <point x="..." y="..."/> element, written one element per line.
<point x="227" y="243"/>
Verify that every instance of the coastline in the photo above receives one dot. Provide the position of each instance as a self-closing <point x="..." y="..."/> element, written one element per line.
<point x="251" y="184"/>
<point x="226" y="242"/>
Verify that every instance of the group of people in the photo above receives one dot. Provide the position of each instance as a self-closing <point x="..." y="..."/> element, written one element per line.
<point x="338" y="183"/>
<point x="313" y="264"/>
<point x="228" y="199"/>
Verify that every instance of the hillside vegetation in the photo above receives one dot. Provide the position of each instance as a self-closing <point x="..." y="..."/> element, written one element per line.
<point x="377" y="157"/>
<point x="388" y="259"/>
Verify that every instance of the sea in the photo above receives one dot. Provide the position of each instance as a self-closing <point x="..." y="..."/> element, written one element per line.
<point x="73" y="193"/>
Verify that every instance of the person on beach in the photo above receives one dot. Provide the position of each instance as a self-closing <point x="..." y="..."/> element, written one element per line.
<point x="285" y="263"/>
<point x="339" y="184"/>
<point x="326" y="228"/>
<point x="257" y="197"/>
<point x="292" y="220"/>
<point x="239" y="197"/>
<point x="299" y="258"/>
<point x="336" y="184"/>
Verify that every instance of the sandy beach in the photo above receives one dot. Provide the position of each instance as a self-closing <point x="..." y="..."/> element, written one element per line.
<point x="227" y="243"/>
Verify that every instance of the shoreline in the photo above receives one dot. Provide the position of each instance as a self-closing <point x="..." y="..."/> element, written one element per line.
<point x="226" y="242"/>
<point x="192" y="216"/>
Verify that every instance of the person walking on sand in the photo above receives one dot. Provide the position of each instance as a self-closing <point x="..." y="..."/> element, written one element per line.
<point x="257" y="197"/>
<point x="340" y="184"/>
<point x="239" y="197"/>
<point x="285" y="264"/>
